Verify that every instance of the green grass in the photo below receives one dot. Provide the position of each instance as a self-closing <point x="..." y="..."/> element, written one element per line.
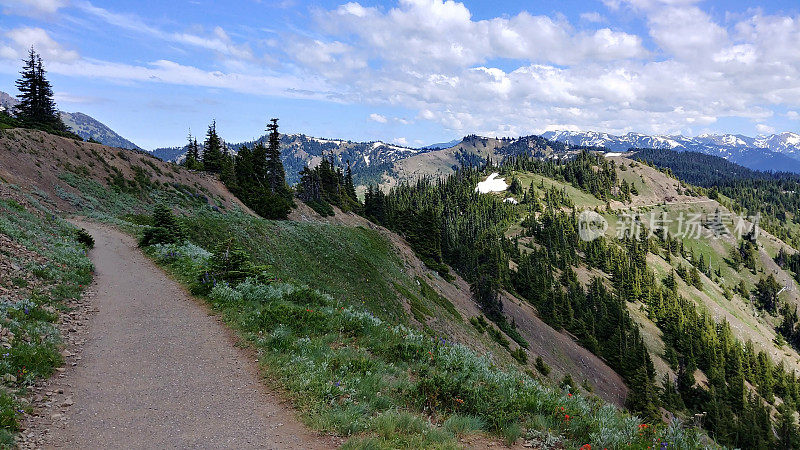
<point x="332" y="332"/>
<point x="355" y="265"/>
<point x="388" y="385"/>
<point x="62" y="269"/>
<point x="579" y="198"/>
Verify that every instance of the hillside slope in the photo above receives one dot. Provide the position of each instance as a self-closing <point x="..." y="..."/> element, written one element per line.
<point x="348" y="309"/>
<point x="660" y="194"/>
<point x="41" y="162"/>
<point x="558" y="349"/>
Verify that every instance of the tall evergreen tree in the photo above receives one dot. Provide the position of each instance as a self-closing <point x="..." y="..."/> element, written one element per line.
<point x="275" y="172"/>
<point x="212" y="150"/>
<point x="37" y="107"/>
<point x="192" y="161"/>
<point x="257" y="177"/>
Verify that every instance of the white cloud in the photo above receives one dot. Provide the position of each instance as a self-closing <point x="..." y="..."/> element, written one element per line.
<point x="445" y="69"/>
<point x="219" y="41"/>
<point x="400" y="141"/>
<point x="699" y="71"/>
<point x="32" y="7"/>
<point x="21" y="39"/>
<point x="764" y="129"/>
<point x="593" y="17"/>
<point x="375" y="117"/>
<point x="442" y="34"/>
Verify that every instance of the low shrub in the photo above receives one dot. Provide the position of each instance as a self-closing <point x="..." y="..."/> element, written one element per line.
<point x="84" y="238"/>
<point x="542" y="366"/>
<point x="165" y="229"/>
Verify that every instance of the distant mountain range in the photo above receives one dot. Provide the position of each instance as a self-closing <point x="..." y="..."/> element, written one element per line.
<point x="387" y="164"/>
<point x="81" y="124"/>
<point x="441" y="145"/>
<point x="369" y="160"/>
<point x="777" y="152"/>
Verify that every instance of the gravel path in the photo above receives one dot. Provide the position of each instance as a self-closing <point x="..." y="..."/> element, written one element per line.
<point x="156" y="371"/>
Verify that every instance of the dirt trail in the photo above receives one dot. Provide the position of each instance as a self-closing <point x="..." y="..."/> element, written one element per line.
<point x="157" y="371"/>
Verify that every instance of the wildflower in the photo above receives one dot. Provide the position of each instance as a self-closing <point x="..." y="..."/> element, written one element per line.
<point x="586" y="447"/>
<point x="569" y="395"/>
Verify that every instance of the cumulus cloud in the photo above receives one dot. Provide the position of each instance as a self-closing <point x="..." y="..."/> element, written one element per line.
<point x="764" y="129"/>
<point x="434" y="57"/>
<point x="442" y="34"/>
<point x="20" y="40"/>
<point x="506" y="75"/>
<point x="32" y="7"/>
<point x="375" y="117"/>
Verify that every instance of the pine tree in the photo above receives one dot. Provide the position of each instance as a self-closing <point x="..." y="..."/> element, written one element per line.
<point x="29" y="90"/>
<point x="192" y="161"/>
<point x="212" y="150"/>
<point x="276" y="176"/>
<point x="350" y="188"/>
<point x="786" y="428"/>
<point x="37" y="107"/>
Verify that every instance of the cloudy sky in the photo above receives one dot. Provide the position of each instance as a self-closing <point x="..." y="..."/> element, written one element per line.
<point x="414" y="71"/>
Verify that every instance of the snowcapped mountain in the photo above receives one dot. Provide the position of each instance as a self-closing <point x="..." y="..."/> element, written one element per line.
<point x="7" y="102"/>
<point x="778" y="152"/>
<point x="787" y="143"/>
<point x="369" y="160"/>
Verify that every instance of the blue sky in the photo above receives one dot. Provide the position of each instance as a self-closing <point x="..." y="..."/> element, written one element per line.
<point x="414" y="72"/>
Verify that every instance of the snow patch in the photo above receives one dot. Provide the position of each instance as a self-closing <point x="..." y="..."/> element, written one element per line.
<point x="511" y="200"/>
<point x="492" y="184"/>
<point x="612" y="154"/>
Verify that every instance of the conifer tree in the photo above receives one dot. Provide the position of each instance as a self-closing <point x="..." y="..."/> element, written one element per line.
<point x="275" y="172"/>
<point x="212" y="150"/>
<point x="192" y="161"/>
<point x="350" y="188"/>
<point x="37" y="107"/>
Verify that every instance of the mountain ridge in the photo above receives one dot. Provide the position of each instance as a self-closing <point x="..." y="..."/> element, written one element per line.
<point x="84" y="125"/>
<point x="776" y="152"/>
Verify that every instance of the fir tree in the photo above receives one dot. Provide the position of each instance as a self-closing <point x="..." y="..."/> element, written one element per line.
<point x="276" y="177"/>
<point x="192" y="161"/>
<point x="212" y="150"/>
<point x="37" y="107"/>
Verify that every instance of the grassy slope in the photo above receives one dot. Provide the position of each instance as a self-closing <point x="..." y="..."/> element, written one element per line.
<point x="659" y="193"/>
<point x="42" y="268"/>
<point x="356" y="269"/>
